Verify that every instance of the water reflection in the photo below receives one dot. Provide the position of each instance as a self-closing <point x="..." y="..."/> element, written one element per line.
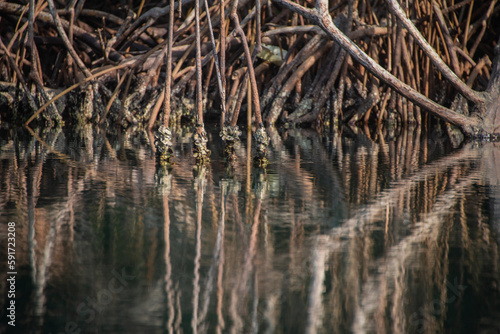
<point x="360" y="232"/>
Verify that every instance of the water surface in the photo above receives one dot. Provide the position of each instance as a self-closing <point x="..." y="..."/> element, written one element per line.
<point x="341" y="233"/>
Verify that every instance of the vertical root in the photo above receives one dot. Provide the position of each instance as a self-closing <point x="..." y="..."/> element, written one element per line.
<point x="200" y="151"/>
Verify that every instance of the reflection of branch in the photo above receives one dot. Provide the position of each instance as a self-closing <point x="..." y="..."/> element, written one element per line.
<point x="361" y="223"/>
<point x="255" y="304"/>
<point x="64" y="214"/>
<point x="404" y="255"/>
<point x="238" y="290"/>
<point x="216" y="262"/>
<point x="196" y="282"/>
<point x="220" y="269"/>
<point x="32" y="197"/>
<point x="60" y="155"/>
<point x="315" y="306"/>
<point x="388" y="197"/>
<point x="96" y="174"/>
<point x="308" y="178"/>
<point x="168" y="265"/>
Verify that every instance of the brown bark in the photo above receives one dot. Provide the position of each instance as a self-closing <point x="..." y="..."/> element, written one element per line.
<point x="491" y="120"/>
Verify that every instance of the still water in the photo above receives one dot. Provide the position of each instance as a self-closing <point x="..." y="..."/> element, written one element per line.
<point x="341" y="233"/>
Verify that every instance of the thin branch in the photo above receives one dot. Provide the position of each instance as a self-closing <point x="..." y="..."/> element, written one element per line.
<point x="168" y="79"/>
<point x="486" y="17"/>
<point x="69" y="89"/>
<point x="67" y="42"/>
<point x="433" y="56"/>
<point x="223" y="57"/>
<point x="447" y="38"/>
<point x="216" y="61"/>
<point x="16" y="69"/>
<point x="323" y="19"/>
<point x="199" y="97"/>
<point x="248" y="57"/>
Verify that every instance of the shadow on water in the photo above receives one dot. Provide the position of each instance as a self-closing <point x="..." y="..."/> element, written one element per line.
<point x="363" y="233"/>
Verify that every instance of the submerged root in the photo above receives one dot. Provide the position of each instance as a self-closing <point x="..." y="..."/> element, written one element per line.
<point x="230" y="135"/>
<point x="163" y="144"/>
<point x="200" y="151"/>
<point x="261" y="144"/>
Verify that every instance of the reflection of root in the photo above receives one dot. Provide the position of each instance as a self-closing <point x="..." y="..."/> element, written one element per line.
<point x="230" y="184"/>
<point x="200" y="151"/>
<point x="260" y="162"/>
<point x="163" y="178"/>
<point x="259" y="182"/>
<point x="199" y="173"/>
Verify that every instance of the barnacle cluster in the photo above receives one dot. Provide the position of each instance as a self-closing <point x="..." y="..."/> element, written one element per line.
<point x="163" y="144"/>
<point x="230" y="135"/>
<point x="200" y="151"/>
<point x="261" y="143"/>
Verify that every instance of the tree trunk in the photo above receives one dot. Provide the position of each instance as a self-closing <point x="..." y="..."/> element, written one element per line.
<point x="492" y="109"/>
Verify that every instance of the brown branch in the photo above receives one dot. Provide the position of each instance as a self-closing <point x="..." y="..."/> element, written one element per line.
<point x="433" y="56"/>
<point x="312" y="46"/>
<point x="168" y="79"/>
<point x="293" y="30"/>
<point x="199" y="69"/>
<point x="16" y="69"/>
<point x="248" y="57"/>
<point x="223" y="57"/>
<point x="147" y="19"/>
<point x="64" y="37"/>
<point x="216" y="61"/>
<point x="321" y="17"/>
<point x="69" y="89"/>
<point x="485" y="61"/>
<point x="243" y="89"/>
<point x="457" y="6"/>
<point x="78" y="32"/>
<point x="325" y="92"/>
<point x="291" y="82"/>
<point x="483" y="27"/>
<point x="447" y="38"/>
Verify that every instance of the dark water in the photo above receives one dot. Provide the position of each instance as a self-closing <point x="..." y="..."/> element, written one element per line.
<point x="351" y="233"/>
